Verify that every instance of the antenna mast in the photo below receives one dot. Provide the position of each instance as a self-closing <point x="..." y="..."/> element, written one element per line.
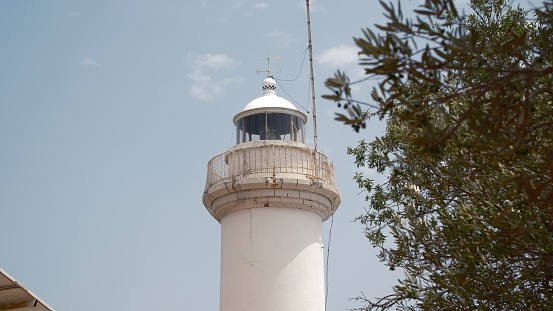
<point x="310" y="47"/>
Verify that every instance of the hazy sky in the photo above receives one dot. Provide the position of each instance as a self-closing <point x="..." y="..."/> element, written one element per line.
<point x="109" y="113"/>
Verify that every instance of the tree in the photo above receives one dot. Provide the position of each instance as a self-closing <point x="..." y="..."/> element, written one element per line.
<point x="467" y="208"/>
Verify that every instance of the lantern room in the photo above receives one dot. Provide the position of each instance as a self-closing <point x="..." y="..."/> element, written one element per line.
<point x="270" y="117"/>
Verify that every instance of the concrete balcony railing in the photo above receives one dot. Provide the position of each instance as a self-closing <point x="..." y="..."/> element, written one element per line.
<point x="281" y="165"/>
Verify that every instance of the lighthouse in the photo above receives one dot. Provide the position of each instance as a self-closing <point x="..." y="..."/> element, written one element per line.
<point x="271" y="193"/>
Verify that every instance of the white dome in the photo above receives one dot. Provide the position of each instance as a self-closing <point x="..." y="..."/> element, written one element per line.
<point x="269" y="102"/>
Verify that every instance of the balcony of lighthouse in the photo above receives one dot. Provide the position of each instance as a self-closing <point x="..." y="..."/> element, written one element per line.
<point x="271" y="173"/>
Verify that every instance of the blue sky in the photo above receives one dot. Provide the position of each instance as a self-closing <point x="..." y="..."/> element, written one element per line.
<point x="109" y="113"/>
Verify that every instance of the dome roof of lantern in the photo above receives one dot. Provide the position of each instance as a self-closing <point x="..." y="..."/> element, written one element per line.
<point x="269" y="102"/>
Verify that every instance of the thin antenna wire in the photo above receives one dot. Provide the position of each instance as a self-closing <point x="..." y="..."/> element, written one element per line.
<point x="290" y="80"/>
<point x="280" y="86"/>
<point x="231" y="136"/>
<point x="301" y="68"/>
<point x="328" y="256"/>
<point x="310" y="47"/>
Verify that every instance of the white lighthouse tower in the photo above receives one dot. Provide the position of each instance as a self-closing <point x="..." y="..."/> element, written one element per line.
<point x="271" y="192"/>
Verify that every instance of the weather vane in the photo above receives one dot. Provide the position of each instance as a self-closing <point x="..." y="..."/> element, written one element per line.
<point x="268" y="71"/>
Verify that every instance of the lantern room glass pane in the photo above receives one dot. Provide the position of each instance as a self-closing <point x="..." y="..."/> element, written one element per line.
<point x="270" y="126"/>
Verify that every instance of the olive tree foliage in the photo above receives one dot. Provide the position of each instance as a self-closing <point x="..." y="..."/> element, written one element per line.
<point x="467" y="208"/>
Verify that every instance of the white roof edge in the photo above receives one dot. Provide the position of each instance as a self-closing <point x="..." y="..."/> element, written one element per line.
<point x="27" y="291"/>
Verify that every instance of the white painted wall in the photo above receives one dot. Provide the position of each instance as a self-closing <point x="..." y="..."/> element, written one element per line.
<point x="272" y="259"/>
